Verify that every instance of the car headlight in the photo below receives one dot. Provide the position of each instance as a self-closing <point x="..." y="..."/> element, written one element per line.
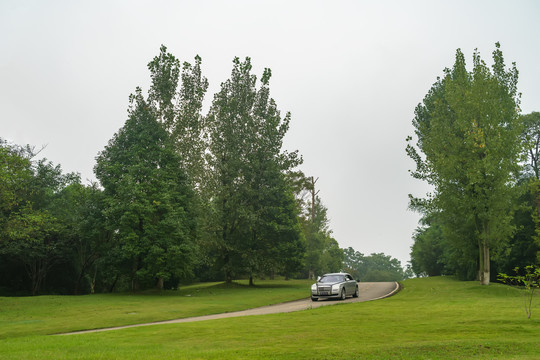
<point x="335" y="288"/>
<point x="314" y="287"/>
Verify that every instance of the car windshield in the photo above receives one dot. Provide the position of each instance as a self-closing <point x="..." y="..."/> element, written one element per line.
<point x="331" y="279"/>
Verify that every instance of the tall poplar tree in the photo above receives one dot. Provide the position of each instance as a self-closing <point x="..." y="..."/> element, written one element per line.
<point x="469" y="149"/>
<point x="256" y="222"/>
<point x="148" y="198"/>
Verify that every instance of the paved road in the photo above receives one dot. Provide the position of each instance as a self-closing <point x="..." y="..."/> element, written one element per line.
<point x="368" y="291"/>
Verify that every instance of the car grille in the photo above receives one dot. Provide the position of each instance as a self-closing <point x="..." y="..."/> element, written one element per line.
<point x="325" y="288"/>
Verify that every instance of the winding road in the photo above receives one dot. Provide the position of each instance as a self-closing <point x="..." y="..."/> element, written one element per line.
<point x="368" y="291"/>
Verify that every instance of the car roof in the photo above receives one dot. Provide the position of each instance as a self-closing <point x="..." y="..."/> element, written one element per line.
<point x="336" y="274"/>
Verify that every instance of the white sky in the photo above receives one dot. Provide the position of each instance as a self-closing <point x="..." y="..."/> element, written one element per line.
<point x="350" y="72"/>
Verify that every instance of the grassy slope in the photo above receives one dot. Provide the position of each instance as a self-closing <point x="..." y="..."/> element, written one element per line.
<point x="436" y="318"/>
<point x="55" y="314"/>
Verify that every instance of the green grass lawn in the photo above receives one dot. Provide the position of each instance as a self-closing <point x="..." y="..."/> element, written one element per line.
<point x="40" y="315"/>
<point x="434" y="318"/>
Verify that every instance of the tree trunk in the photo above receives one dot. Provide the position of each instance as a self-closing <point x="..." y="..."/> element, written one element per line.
<point x="228" y="276"/>
<point x="93" y="284"/>
<point x="111" y="288"/>
<point x="37" y="271"/>
<point x="486" y="269"/>
<point x="480" y="269"/>
<point x="79" y="278"/>
<point x="485" y="266"/>
<point x="85" y="265"/>
<point x="78" y="283"/>
<point x="135" y="286"/>
<point x="313" y="197"/>
<point x="160" y="283"/>
<point x="250" y="280"/>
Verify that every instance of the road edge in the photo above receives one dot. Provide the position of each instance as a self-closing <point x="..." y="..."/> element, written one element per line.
<point x="396" y="289"/>
<point x="391" y="293"/>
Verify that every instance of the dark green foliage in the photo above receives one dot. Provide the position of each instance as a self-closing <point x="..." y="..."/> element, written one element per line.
<point x="427" y="251"/>
<point x="32" y="235"/>
<point x="15" y="176"/>
<point x="522" y="248"/>
<point x="147" y="199"/>
<point x="323" y="254"/>
<point x="332" y="256"/>
<point x="433" y="254"/>
<point x="531" y="136"/>
<point x="82" y="210"/>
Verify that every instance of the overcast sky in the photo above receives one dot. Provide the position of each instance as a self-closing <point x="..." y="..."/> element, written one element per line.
<point x="350" y="72"/>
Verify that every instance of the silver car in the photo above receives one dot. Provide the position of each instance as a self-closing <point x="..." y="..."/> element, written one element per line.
<point x="334" y="286"/>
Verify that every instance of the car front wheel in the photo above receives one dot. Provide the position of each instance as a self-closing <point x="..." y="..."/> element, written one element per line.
<point x="313" y="299"/>
<point x="343" y="295"/>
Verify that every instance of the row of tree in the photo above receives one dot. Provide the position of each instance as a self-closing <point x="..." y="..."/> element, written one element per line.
<point x="181" y="196"/>
<point x="472" y="149"/>
<point x="374" y="267"/>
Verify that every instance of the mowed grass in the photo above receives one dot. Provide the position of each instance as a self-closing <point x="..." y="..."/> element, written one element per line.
<point x="434" y="318"/>
<point x="41" y="315"/>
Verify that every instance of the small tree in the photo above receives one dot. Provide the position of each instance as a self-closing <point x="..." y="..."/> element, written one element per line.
<point x="528" y="283"/>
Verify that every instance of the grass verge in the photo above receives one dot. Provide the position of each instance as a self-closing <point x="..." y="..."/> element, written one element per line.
<point x="435" y="318"/>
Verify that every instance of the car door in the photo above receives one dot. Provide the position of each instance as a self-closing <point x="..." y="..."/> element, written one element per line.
<point x="350" y="285"/>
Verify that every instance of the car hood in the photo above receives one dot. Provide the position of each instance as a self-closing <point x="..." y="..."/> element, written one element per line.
<point x="329" y="284"/>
